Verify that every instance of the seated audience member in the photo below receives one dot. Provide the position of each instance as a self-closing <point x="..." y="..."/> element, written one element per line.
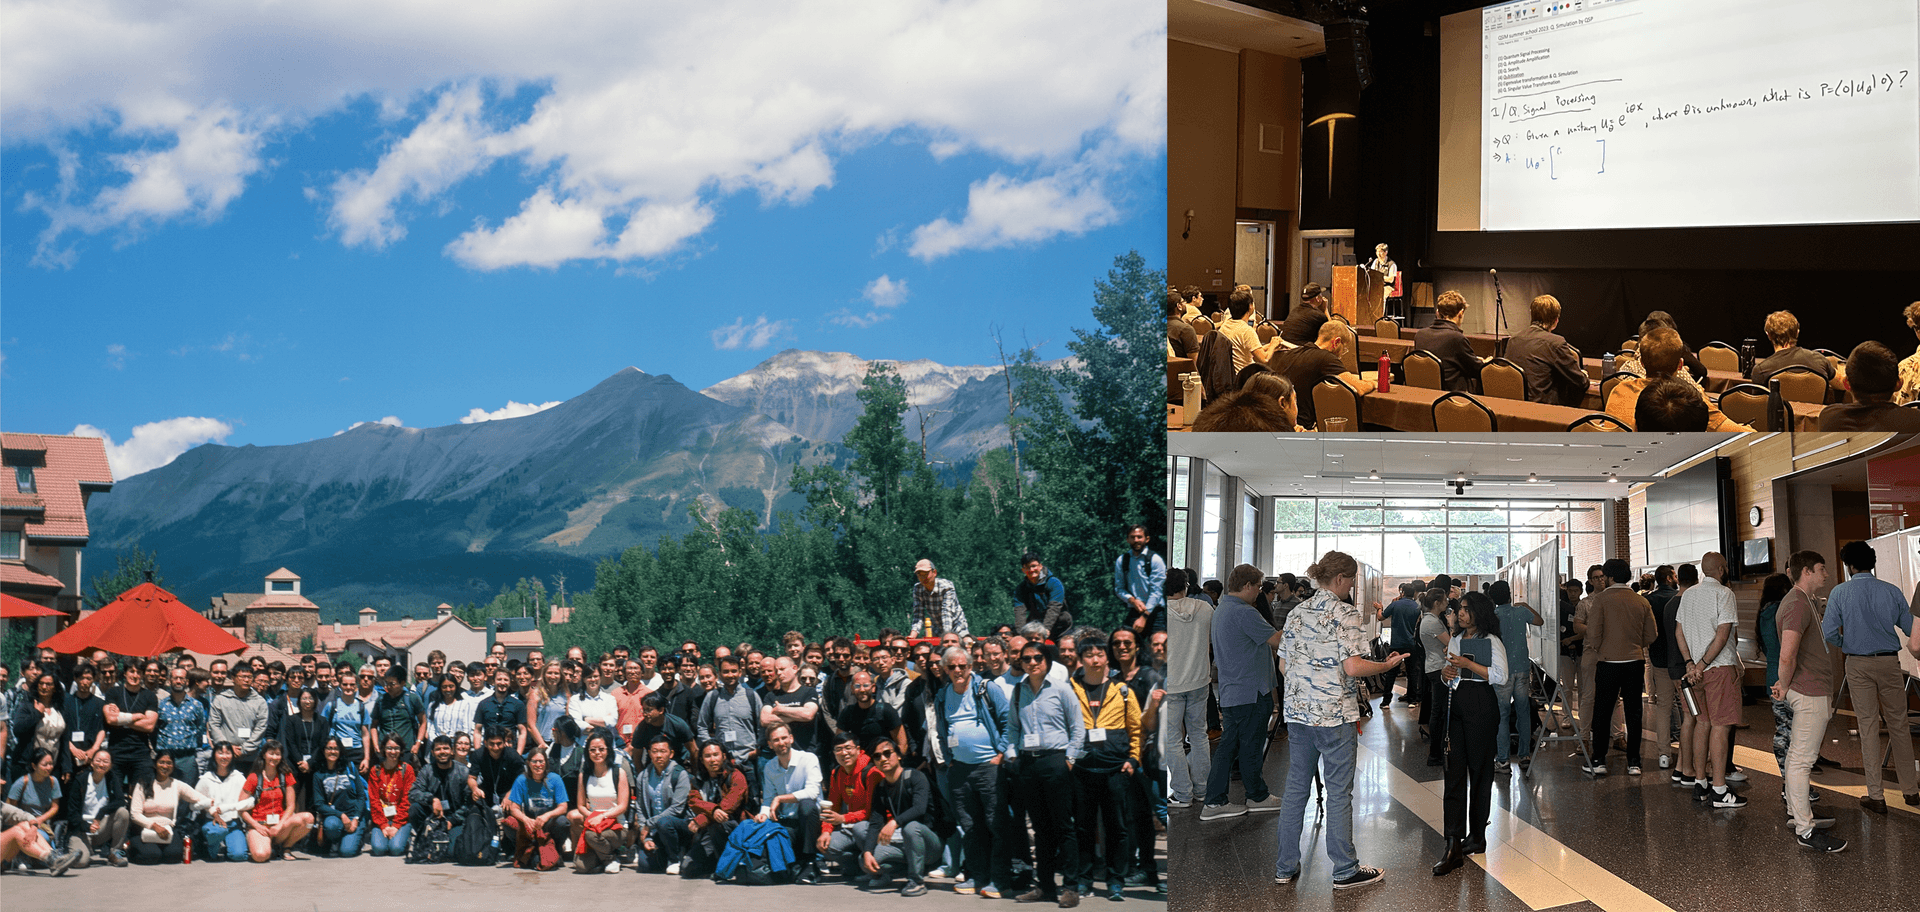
<point x="1660" y="318"/>
<point x="1784" y="332"/>
<point x="1552" y="367"/>
<point x="1180" y="333"/>
<point x="1872" y="376"/>
<point x="1239" y="330"/>
<point x="1910" y="365"/>
<point x="1671" y="404"/>
<point x="1308" y="365"/>
<point x="1194" y="301"/>
<point x="1303" y="321"/>
<point x="1459" y="366"/>
<point x="1659" y="355"/>
<point x="1265" y="402"/>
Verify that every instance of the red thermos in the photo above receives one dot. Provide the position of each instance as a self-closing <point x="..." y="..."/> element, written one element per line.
<point x="1386" y="374"/>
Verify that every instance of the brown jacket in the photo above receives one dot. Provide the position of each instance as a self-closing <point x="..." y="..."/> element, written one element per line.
<point x="1620" y="625"/>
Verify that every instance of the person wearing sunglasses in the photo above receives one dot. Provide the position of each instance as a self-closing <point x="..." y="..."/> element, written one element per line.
<point x="1047" y="734"/>
<point x="897" y="832"/>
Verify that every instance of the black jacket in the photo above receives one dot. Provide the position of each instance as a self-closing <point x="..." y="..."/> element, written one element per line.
<point x="1459" y="365"/>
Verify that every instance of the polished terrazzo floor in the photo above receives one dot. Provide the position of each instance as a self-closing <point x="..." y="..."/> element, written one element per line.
<point x="1565" y="841"/>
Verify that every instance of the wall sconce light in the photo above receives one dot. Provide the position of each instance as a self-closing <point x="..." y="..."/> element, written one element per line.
<point x="1188" y="233"/>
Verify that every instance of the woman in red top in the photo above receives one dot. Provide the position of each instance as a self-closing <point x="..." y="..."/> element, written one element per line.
<point x="275" y="822"/>
<point x="718" y="792"/>
<point x="387" y="788"/>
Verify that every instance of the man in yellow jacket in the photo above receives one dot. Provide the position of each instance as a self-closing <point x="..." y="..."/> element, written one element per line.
<point x="1113" y="746"/>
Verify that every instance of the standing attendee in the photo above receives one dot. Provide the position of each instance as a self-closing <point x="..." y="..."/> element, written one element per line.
<point x="1183" y="714"/>
<point x="971" y="724"/>
<point x="504" y="710"/>
<point x="239" y="716"/>
<point x="794" y="703"/>
<point x="933" y="604"/>
<point x="1040" y="597"/>
<point x="1514" y="697"/>
<point x="1402" y="616"/>
<point x="159" y="831"/>
<point x="1048" y="735"/>
<point x="1102" y="774"/>
<point x="1805" y="681"/>
<point x="1434" y="636"/>
<point x="730" y="715"/>
<point x="660" y="824"/>
<point x="1862" y="614"/>
<point x="1323" y="647"/>
<point x="1140" y="580"/>
<point x="183" y="725"/>
<point x="656" y="722"/>
<point x="85" y="713"/>
<point x="546" y="703"/>
<point x="1660" y="654"/>
<point x="400" y="713"/>
<point x="593" y="707"/>
<point x="340" y="801"/>
<point x="1620" y="626"/>
<point x="131" y="714"/>
<point x="1243" y="655"/>
<point x="1146" y="813"/>
<point x="1707" y="617"/>
<point x="1766" y="632"/>
<point x="1471" y="729"/>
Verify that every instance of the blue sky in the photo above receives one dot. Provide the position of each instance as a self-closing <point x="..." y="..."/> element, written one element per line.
<point x="251" y="224"/>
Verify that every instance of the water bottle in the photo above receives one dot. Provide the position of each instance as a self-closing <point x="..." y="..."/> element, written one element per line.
<point x="1686" y="693"/>
<point x="1606" y="365"/>
<point x="1747" y="355"/>
<point x="1385" y="383"/>
<point x="186" y="850"/>
<point x="1191" y="396"/>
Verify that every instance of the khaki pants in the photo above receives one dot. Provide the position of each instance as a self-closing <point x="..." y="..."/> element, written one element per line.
<point x="1875" y="684"/>
<point x="1657" y="726"/>
<point x="1810" y="716"/>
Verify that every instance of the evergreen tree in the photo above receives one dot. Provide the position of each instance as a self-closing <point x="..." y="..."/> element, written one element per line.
<point x="129" y="570"/>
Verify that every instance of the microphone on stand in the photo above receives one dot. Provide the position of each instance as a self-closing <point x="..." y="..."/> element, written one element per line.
<point x="1499" y="309"/>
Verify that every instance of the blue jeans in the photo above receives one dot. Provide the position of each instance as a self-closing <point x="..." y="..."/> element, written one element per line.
<point x="1332" y="749"/>
<point x="1183" y="720"/>
<point x="222" y="841"/>
<point x="335" y="828"/>
<point x="384" y="846"/>
<point x="1514" y="700"/>
<point x="1243" y="737"/>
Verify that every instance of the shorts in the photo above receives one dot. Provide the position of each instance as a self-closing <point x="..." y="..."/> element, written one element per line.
<point x="1720" y="692"/>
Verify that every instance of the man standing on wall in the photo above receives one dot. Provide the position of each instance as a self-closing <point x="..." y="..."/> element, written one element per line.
<point x="1140" y="579"/>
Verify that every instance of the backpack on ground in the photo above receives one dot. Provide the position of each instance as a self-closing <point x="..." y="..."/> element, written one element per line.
<point x="431" y="842"/>
<point x="478" y="844"/>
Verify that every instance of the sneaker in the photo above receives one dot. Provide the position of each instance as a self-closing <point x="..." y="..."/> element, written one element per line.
<point x="1526" y="763"/>
<point x="1725" y="798"/>
<point x="1034" y="895"/>
<point x="1679" y="778"/>
<point x="1701" y="791"/>
<point x="1633" y="771"/>
<point x="613" y="867"/>
<point x="1501" y="766"/>
<point x="945" y="873"/>
<point x="1221" y="811"/>
<point x="914" y="889"/>
<point x="964" y="887"/>
<point x="1284" y="879"/>
<point x="62" y="863"/>
<point x="673" y="869"/>
<point x="117" y="858"/>
<point x="1113" y="893"/>
<point x="1736" y="776"/>
<point x="1361" y="877"/>
<point x="1069" y="898"/>
<point x="1179" y="803"/>
<point x="989" y="891"/>
<point x="1269" y="803"/>
<point x="1595" y="768"/>
<point x="1823" y="842"/>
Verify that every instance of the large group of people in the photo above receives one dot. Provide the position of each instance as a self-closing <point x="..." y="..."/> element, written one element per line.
<point x="1661" y="381"/>
<point x="1021" y="763"/>
<point x="1468" y="665"/>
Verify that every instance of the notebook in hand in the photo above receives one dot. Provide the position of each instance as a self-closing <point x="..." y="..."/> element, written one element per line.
<point x="1480" y="650"/>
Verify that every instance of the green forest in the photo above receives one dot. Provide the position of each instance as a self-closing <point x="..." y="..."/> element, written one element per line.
<point x="1074" y="478"/>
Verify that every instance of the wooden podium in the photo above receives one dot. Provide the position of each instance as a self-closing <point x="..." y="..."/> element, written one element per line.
<point x="1358" y="295"/>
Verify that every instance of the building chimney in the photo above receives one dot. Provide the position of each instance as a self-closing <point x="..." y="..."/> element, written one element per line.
<point x="368" y="616"/>
<point x="336" y="628"/>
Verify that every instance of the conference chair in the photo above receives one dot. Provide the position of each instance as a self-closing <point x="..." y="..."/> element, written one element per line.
<point x="1800" y="383"/>
<point x="1461" y="413"/>
<point x="1610" y="381"/>
<point x="1719" y="356"/>
<point x="1915" y="404"/>
<point x="1350" y="353"/>
<point x="1386" y="328"/>
<point x="1503" y="379"/>
<point x="1201" y="326"/>
<point x="1598" y="421"/>
<point x="1632" y="344"/>
<point x="1265" y="331"/>
<point x="1747" y="404"/>
<point x="1422" y="369"/>
<point x="1336" y="315"/>
<point x="1334" y="399"/>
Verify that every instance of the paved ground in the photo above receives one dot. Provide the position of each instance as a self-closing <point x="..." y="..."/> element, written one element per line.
<point x="368" y="883"/>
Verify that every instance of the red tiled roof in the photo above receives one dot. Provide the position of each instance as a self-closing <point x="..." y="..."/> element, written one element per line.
<point x="73" y="464"/>
<point x="388" y="634"/>
<point x="520" y="639"/>
<point x="231" y="603"/>
<point x="15" y="576"/>
<point x="560" y="614"/>
<point x="283" y="574"/>
<point x="281" y="600"/>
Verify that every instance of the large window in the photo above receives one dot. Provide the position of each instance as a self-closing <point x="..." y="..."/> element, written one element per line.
<point x="1179" y="476"/>
<point x="11" y="543"/>
<point x="1421" y="537"/>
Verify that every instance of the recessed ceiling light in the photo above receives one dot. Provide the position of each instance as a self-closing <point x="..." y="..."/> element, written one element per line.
<point x="1612" y="478"/>
<point x="1513" y="459"/>
<point x="1532" y="477"/>
<point x="1374" y="474"/>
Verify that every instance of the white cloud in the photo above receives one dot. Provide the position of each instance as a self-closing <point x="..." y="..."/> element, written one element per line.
<point x="630" y="123"/>
<point x="886" y="292"/>
<point x="390" y="421"/>
<point x="1002" y="212"/>
<point x="741" y="334"/>
<point x="117" y="356"/>
<point x="156" y="443"/>
<point x="511" y="410"/>
<point x="846" y="317"/>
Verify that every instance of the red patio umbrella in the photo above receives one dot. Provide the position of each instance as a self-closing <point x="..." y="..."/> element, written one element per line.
<point x="13" y="606"/>
<point x="145" y="621"/>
